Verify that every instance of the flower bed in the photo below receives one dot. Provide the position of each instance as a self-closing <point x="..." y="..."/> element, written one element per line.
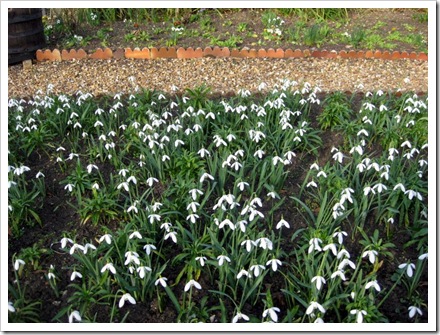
<point x="290" y="206"/>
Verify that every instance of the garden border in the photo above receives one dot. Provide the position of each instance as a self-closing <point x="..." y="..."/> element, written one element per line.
<point x="217" y="52"/>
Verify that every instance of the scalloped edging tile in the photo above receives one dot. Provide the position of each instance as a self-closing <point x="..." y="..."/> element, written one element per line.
<point x="216" y="52"/>
<point x="189" y="53"/>
<point x="137" y="53"/>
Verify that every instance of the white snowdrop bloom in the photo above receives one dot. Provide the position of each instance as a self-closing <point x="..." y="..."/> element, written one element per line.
<point x="338" y="157"/>
<point x="151" y="181"/>
<point x="282" y="223"/>
<point x="240" y="316"/>
<point x="204" y="176"/>
<point x="192" y="283"/>
<point x="264" y="243"/>
<point x="193" y="206"/>
<point x="242" y="273"/>
<point x="242" y="225"/>
<point x="320" y="281"/>
<point x="410" y="267"/>
<point x="227" y="222"/>
<point x="314" y="244"/>
<point x="338" y="273"/>
<point x="368" y="190"/>
<point x="331" y="247"/>
<point x="18" y="263"/>
<point x="88" y="246"/>
<point x="172" y="235"/>
<point x="64" y="241"/>
<point x="314" y="305"/>
<point x="314" y="166"/>
<point x="11" y="307"/>
<point x="340" y="235"/>
<point x="411" y="194"/>
<point x="358" y="149"/>
<point x="123" y="185"/>
<point x="126" y="297"/>
<point x="148" y="248"/>
<point x="362" y="132"/>
<point x="399" y="186"/>
<point x="203" y="152"/>
<point x="162" y="281"/>
<point x="412" y="310"/>
<point x="359" y="315"/>
<point x="373" y="284"/>
<point x="259" y="153"/>
<point x="423" y="256"/>
<point x="135" y="234"/>
<point x="74" y="315"/>
<point x="76" y="246"/>
<point x="379" y="187"/>
<point x="346" y="262"/>
<point x="407" y="144"/>
<point x="371" y="255"/>
<point x="194" y="193"/>
<point x="274" y="263"/>
<point x="248" y="244"/>
<point x="311" y="184"/>
<point x="222" y="259"/>
<point x="241" y="185"/>
<point x="257" y="269"/>
<point x="132" y="257"/>
<point x="272" y="312"/>
<point x="142" y="270"/>
<point x="109" y="267"/>
<point x="383" y="108"/>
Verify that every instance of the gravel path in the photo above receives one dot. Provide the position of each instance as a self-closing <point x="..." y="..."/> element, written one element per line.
<point x="223" y="75"/>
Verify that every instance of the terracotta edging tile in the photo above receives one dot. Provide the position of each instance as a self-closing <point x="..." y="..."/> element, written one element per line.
<point x="137" y="53"/>
<point x="289" y="53"/>
<point x="163" y="53"/>
<point x="102" y="54"/>
<point x="189" y="53"/>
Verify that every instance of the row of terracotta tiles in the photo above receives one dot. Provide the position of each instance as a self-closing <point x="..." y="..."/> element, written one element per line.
<point x="154" y="53"/>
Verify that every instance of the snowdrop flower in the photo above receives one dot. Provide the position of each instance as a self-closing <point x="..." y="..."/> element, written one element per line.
<point x="423" y="256"/>
<point x="314" y="166"/>
<point x="257" y="268"/>
<point x="368" y="190"/>
<point x="74" y="315"/>
<point x="314" y="305"/>
<point x="192" y="283"/>
<point x="259" y="153"/>
<point x="132" y="256"/>
<point x="314" y="244"/>
<point x="400" y="187"/>
<point x="359" y="314"/>
<point x="107" y="238"/>
<point x="76" y="246"/>
<point x="202" y="260"/>
<point x="194" y="193"/>
<point x="11" y="307"/>
<point x="148" y="248"/>
<point x="379" y="187"/>
<point x="241" y="185"/>
<point x="242" y="273"/>
<point x="240" y="316"/>
<point x="193" y="206"/>
<point x="74" y="275"/>
<point x="171" y="234"/>
<point x="135" y="234"/>
<point x="274" y="264"/>
<point x="154" y="217"/>
<point x="151" y="181"/>
<point x="142" y="270"/>
<point x="124" y="298"/>
<point x="203" y="152"/>
<point x="412" y="194"/>
<point x="18" y="263"/>
<point x="204" y="176"/>
<point x="87" y="247"/>
<point x="338" y="157"/>
<point x="311" y="184"/>
<point x="346" y="262"/>
<point x="332" y="247"/>
<point x="374" y="284"/>
<point x="69" y="187"/>
<point x="282" y="223"/>
<point x="123" y="185"/>
<point x="338" y="273"/>
<point x="319" y="281"/>
<point x="272" y="311"/>
<point x="264" y="243"/>
<point x="410" y="267"/>
<point x="248" y="244"/>
<point x="64" y="241"/>
<point x="51" y="275"/>
<point x="132" y="179"/>
<point x="321" y="173"/>
<point x="227" y="222"/>
<point x="162" y="281"/>
<point x="223" y="258"/>
<point x="371" y="255"/>
<point x="340" y="235"/>
<point x="39" y="174"/>
<point x="192" y="217"/>
<point x="413" y="310"/>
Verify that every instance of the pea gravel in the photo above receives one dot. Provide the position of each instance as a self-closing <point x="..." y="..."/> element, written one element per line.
<point x="223" y="75"/>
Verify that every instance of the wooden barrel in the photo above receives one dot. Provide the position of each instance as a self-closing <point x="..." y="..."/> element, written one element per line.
<point x="25" y="33"/>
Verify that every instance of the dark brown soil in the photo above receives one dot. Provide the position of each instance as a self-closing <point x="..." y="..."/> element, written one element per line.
<point x="244" y="28"/>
